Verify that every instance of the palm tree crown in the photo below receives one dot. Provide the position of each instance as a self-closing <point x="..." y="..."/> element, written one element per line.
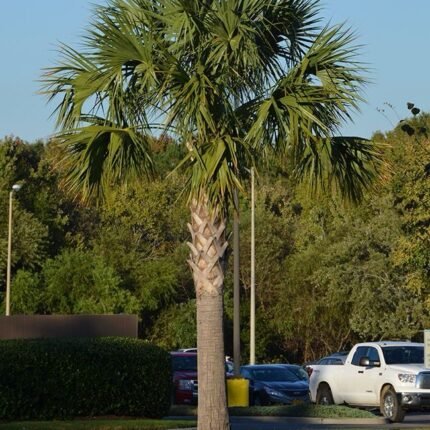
<point x="231" y="79"/>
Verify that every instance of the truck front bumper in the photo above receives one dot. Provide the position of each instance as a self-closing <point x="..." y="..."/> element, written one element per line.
<point x="415" y="400"/>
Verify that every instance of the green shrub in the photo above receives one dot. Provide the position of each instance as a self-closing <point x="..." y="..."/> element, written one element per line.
<point x="47" y="378"/>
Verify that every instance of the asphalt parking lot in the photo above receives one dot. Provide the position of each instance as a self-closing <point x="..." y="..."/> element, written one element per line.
<point x="416" y="420"/>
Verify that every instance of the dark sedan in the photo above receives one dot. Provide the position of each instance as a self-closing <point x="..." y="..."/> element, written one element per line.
<point x="275" y="384"/>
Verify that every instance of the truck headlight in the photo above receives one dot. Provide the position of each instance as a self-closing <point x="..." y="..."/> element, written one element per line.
<point x="407" y="378"/>
<point x="186" y="384"/>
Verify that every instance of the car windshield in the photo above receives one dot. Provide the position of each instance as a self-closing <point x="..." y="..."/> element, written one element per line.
<point x="182" y="362"/>
<point x="299" y="372"/>
<point x="403" y="354"/>
<point x="273" y="374"/>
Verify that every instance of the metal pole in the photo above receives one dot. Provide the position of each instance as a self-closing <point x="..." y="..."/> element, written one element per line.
<point x="236" y="289"/>
<point x="9" y="256"/>
<point x="252" y="310"/>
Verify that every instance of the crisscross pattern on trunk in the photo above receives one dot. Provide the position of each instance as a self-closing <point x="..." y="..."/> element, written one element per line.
<point x="207" y="249"/>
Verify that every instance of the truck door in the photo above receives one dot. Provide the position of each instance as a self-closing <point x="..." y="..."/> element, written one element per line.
<point x="362" y="385"/>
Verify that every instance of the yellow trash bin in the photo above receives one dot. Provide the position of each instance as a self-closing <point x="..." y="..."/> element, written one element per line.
<point x="237" y="392"/>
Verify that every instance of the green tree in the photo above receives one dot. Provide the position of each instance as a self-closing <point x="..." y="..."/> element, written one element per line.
<point x="77" y="282"/>
<point x="18" y="162"/>
<point x="408" y="180"/>
<point x="74" y="282"/>
<point x="141" y="235"/>
<point x="232" y="80"/>
<point x="175" y="326"/>
<point x="45" y="217"/>
<point x="274" y="232"/>
<point x="410" y="157"/>
<point x="27" y="293"/>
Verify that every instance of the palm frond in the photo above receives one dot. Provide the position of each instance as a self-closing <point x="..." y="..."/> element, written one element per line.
<point x="65" y="81"/>
<point x="98" y="156"/>
<point x="308" y="105"/>
<point x="216" y="172"/>
<point x="343" y="165"/>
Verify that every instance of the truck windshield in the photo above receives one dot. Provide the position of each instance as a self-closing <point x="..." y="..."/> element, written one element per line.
<point x="187" y="363"/>
<point x="403" y="354"/>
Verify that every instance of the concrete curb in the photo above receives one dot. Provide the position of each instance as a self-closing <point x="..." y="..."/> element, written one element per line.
<point x="312" y="420"/>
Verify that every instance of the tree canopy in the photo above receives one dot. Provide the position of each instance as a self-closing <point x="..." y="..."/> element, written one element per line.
<point x="327" y="274"/>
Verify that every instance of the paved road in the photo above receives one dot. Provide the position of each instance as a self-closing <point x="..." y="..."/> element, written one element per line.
<point x="418" y="420"/>
<point x="412" y="421"/>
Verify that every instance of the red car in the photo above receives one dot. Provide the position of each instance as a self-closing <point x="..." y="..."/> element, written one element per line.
<point x="184" y="368"/>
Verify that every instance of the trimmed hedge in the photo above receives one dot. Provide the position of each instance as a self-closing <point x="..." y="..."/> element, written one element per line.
<point x="70" y="377"/>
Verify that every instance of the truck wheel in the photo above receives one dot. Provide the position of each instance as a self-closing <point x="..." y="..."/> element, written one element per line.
<point x="390" y="405"/>
<point x="324" y="396"/>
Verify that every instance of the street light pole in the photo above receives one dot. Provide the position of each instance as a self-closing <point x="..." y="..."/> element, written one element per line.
<point x="15" y="187"/>
<point x="252" y="310"/>
<point x="236" y="288"/>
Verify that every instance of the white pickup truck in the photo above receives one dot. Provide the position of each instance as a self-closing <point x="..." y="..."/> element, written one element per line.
<point x="387" y="375"/>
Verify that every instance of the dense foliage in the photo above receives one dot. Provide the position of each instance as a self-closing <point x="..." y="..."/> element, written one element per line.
<point x="48" y="378"/>
<point x="327" y="274"/>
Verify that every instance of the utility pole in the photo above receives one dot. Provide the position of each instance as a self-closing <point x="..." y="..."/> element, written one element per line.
<point x="252" y="310"/>
<point x="236" y="288"/>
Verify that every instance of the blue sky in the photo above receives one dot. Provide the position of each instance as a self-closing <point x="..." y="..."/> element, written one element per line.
<point x="394" y="35"/>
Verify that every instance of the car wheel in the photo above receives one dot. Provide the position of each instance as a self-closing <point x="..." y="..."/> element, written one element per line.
<point x="324" y="396"/>
<point x="390" y="405"/>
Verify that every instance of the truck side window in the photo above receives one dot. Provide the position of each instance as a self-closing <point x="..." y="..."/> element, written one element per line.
<point x="360" y="352"/>
<point x="373" y="355"/>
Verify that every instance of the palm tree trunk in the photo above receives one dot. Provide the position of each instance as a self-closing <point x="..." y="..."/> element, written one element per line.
<point x="207" y="248"/>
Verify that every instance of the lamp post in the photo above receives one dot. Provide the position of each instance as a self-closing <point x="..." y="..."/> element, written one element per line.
<point x="236" y="288"/>
<point x="15" y="187"/>
<point x="252" y="310"/>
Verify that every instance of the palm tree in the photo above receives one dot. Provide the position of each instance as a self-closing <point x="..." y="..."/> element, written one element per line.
<point x="234" y="81"/>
